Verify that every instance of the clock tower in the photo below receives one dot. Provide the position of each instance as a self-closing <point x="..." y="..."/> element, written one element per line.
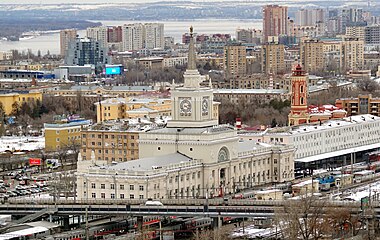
<point x="192" y="104"/>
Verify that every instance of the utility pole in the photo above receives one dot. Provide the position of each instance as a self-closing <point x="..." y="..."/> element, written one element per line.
<point x="87" y="234"/>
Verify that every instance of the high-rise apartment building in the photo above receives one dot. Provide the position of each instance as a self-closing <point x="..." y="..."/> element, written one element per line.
<point x="99" y="34"/>
<point x="133" y="36"/>
<point x="84" y="51"/>
<point x="309" y="17"/>
<point x="356" y="32"/>
<point x="275" y="21"/>
<point x="244" y="35"/>
<point x="311" y="55"/>
<point x="66" y="36"/>
<point x="351" y="16"/>
<point x="138" y="36"/>
<point x="272" y="58"/>
<point x="235" y="61"/>
<point x="372" y="35"/>
<point x="154" y="35"/>
<point x="351" y="54"/>
<point x="115" y="34"/>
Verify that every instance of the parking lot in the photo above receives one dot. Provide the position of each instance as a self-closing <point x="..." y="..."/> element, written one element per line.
<point x="23" y="182"/>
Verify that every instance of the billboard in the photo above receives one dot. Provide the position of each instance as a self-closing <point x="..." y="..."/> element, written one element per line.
<point x="114" y="69"/>
<point x="34" y="161"/>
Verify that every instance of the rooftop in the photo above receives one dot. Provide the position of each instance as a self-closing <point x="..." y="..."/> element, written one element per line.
<point x="148" y="164"/>
<point x="69" y="124"/>
<point x="250" y="91"/>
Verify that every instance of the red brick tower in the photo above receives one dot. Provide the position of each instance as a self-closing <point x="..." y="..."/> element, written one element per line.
<point x="298" y="111"/>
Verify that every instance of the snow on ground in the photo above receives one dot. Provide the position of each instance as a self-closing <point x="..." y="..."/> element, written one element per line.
<point x="251" y="232"/>
<point x="358" y="193"/>
<point x="21" y="143"/>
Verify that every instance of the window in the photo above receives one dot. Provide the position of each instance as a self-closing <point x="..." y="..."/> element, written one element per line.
<point x="102" y="186"/>
<point x="57" y="139"/>
<point x="93" y="195"/>
<point x="121" y="187"/>
<point x="141" y="196"/>
<point x="131" y="196"/>
<point x="103" y="195"/>
<point x="112" y="195"/>
<point x="93" y="185"/>
<point x="131" y="187"/>
<point x="122" y="196"/>
<point x="141" y="188"/>
<point x="112" y="186"/>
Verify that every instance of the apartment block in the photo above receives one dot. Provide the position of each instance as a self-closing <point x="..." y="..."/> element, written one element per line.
<point x="351" y="54"/>
<point x="363" y="104"/>
<point x="235" y="62"/>
<point x="110" y="141"/>
<point x="66" y="36"/>
<point x="272" y="58"/>
<point x="133" y="37"/>
<point x="99" y="34"/>
<point x="275" y="21"/>
<point x="64" y="134"/>
<point x="311" y="55"/>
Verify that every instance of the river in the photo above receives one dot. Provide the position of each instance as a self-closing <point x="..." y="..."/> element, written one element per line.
<point x="172" y="28"/>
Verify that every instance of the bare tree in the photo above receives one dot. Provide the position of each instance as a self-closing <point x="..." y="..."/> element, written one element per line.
<point x="211" y="234"/>
<point x="368" y="85"/>
<point x="302" y="219"/>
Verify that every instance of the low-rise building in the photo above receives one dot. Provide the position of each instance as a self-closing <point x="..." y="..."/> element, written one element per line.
<point x="325" y="144"/>
<point x="11" y="99"/>
<point x="271" y="194"/>
<point x="110" y="141"/>
<point x="305" y="187"/>
<point x="250" y="95"/>
<point x="64" y="134"/>
<point x="120" y="108"/>
<point x="363" y="104"/>
<point x="179" y="176"/>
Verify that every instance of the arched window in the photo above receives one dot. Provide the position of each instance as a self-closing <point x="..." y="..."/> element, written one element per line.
<point x="301" y="100"/>
<point x="301" y="89"/>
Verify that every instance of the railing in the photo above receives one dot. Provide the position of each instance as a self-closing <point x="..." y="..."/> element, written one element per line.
<point x="180" y="202"/>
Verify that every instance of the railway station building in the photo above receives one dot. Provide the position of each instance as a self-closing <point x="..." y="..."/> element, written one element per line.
<point x="192" y="157"/>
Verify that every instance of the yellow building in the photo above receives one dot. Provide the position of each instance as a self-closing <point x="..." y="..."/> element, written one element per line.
<point x="110" y="141"/>
<point x="64" y="135"/>
<point x="120" y="108"/>
<point x="351" y="54"/>
<point x="235" y="61"/>
<point x="214" y="61"/>
<point x="311" y="54"/>
<point x="272" y="58"/>
<point x="8" y="99"/>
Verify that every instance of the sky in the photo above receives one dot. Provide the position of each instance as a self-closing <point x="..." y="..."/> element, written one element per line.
<point x="81" y="1"/>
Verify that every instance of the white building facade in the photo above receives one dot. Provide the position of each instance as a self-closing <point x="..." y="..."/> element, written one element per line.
<point x="326" y="139"/>
<point x="98" y="34"/>
<point x="193" y="157"/>
<point x="154" y="35"/>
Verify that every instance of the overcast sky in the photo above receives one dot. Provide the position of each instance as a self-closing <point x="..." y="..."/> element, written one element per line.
<point x="84" y="1"/>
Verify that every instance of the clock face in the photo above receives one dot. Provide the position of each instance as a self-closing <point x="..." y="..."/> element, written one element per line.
<point x="223" y="155"/>
<point x="185" y="107"/>
<point x="205" y="106"/>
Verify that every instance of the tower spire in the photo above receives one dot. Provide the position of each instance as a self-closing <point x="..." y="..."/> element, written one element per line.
<point x="191" y="65"/>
